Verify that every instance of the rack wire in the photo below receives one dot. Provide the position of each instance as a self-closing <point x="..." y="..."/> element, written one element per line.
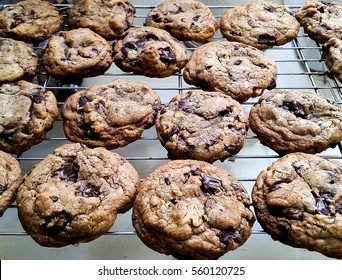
<point x="300" y="67"/>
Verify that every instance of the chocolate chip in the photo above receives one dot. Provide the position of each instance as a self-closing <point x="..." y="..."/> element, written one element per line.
<point x="185" y="105"/>
<point x="266" y="39"/>
<point x="323" y="200"/>
<point x="69" y="172"/>
<point x="37" y="96"/>
<point x="17" y="19"/>
<point x="275" y="187"/>
<point x="272" y="85"/>
<point x="82" y="101"/>
<point x="167" y="181"/>
<point x="88" y="131"/>
<point x="87" y="190"/>
<point x="167" y="56"/>
<point x="2" y="189"/>
<point x="186" y="177"/>
<point x="230" y="236"/>
<point x="338" y="208"/>
<point x="211" y="185"/>
<point x="237" y="62"/>
<point x="231" y="149"/>
<point x="295" y="108"/>
<point x="196" y="172"/>
<point x="54" y="198"/>
<point x="57" y="222"/>
<point x="174" y="129"/>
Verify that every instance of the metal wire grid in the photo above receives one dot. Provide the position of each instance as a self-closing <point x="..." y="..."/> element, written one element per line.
<point x="294" y="61"/>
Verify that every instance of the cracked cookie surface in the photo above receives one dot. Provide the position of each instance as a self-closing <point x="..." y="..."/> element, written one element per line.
<point x="109" y="18"/>
<point x="192" y="210"/>
<point x="236" y="69"/>
<point x="18" y="61"/>
<point x="10" y="178"/>
<point x="321" y="20"/>
<point x="27" y="113"/>
<point x="332" y="54"/>
<point x="30" y="21"/>
<point x="111" y="115"/>
<point x="76" y="53"/>
<point x="288" y="121"/>
<point x="298" y="201"/>
<point x="261" y="24"/>
<point x="74" y="195"/>
<point x="184" y="19"/>
<point x="202" y="125"/>
<point x="149" y="51"/>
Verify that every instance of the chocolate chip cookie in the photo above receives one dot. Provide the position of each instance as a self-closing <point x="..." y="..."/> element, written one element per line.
<point x="149" y="51"/>
<point x="10" y="178"/>
<point x="298" y="201"/>
<point x="18" y="61"/>
<point x="110" y="18"/>
<point x="288" y="121"/>
<point x="192" y="210"/>
<point x="27" y="112"/>
<point x="202" y="125"/>
<point x="30" y="21"/>
<point x="111" y="115"/>
<point x="74" y="195"/>
<point x="76" y="53"/>
<point x="261" y="24"/>
<point x="321" y="20"/>
<point x="236" y="69"/>
<point x="184" y="19"/>
<point x="332" y="54"/>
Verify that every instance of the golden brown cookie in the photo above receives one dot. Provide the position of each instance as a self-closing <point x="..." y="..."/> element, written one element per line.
<point x="192" y="210"/>
<point x="74" y="195"/>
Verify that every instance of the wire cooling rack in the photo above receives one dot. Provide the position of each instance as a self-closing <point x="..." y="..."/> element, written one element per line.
<point x="300" y="67"/>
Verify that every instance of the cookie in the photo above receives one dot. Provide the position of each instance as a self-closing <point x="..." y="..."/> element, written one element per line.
<point x="30" y="21"/>
<point x="10" y="179"/>
<point x="76" y="53"/>
<point x="74" y="195"/>
<point x="192" y="210"/>
<point x="202" y="125"/>
<point x="298" y="202"/>
<point x="149" y="51"/>
<point x="185" y="20"/>
<point x="236" y="69"/>
<point x="332" y="54"/>
<point x="28" y="112"/>
<point x="18" y="61"/>
<point x="111" y="115"/>
<point x="288" y="121"/>
<point x="109" y="19"/>
<point x="261" y="24"/>
<point x="321" y="20"/>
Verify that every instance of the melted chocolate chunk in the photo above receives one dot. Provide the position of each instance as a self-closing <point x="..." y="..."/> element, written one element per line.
<point x="69" y="172"/>
<point x="230" y="236"/>
<point x="57" y="222"/>
<point x="87" y="131"/>
<point x="167" y="181"/>
<point x="17" y="19"/>
<point x="185" y="105"/>
<point x="54" y="198"/>
<point x="272" y="85"/>
<point x="167" y="56"/>
<point x="231" y="149"/>
<point x="87" y="190"/>
<point x="275" y="187"/>
<point x="82" y="101"/>
<point x="2" y="189"/>
<point x="211" y="185"/>
<point x="295" y="108"/>
<point x="266" y="39"/>
<point x="37" y="96"/>
<point x="141" y="42"/>
<point x="323" y="200"/>
<point x="237" y="62"/>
